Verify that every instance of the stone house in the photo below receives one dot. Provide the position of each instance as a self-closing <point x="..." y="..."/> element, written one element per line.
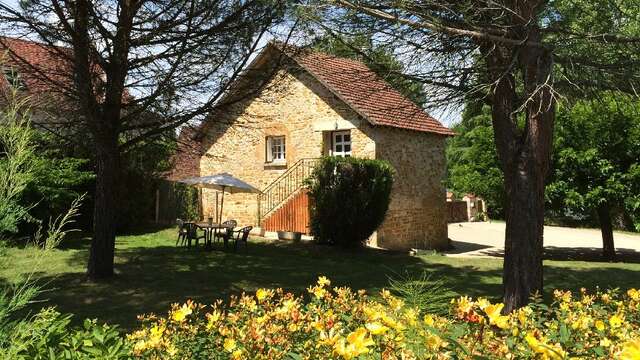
<point x="293" y="106"/>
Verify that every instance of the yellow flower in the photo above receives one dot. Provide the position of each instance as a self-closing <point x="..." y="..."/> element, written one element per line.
<point x="155" y="336"/>
<point x="615" y="321"/>
<point x="464" y="305"/>
<point x="483" y="303"/>
<point x="547" y="351"/>
<point x="434" y="342"/>
<point x="631" y="350"/>
<point x="329" y="338"/>
<point x="171" y="350"/>
<point x="139" y="347"/>
<point x="237" y="354"/>
<point x="373" y="313"/>
<point x="634" y="294"/>
<point x="391" y="322"/>
<point x="523" y="314"/>
<point x="429" y="321"/>
<point x="495" y="316"/>
<point x="582" y="322"/>
<point x="411" y="315"/>
<point x="317" y="291"/>
<point x="286" y="307"/>
<point x="599" y="325"/>
<point x="323" y="281"/>
<point x="605" y="342"/>
<point x="213" y="318"/>
<point x="181" y="314"/>
<point x="357" y="343"/>
<point x="262" y="294"/>
<point x="376" y="328"/>
<point x="229" y="344"/>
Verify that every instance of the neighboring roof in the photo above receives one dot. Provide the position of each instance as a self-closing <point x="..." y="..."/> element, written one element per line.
<point x="364" y="91"/>
<point x="40" y="67"/>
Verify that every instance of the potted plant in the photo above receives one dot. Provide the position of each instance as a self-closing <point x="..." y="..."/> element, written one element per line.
<point x="294" y="236"/>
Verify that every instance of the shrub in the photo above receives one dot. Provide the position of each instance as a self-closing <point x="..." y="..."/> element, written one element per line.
<point x="425" y="291"/>
<point x="48" y="335"/>
<point x="350" y="198"/>
<point x="341" y="324"/>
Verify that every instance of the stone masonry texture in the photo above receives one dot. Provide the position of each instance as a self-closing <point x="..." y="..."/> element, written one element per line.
<point x="293" y="104"/>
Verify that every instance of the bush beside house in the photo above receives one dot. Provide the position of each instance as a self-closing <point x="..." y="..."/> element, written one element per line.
<point x="350" y="198"/>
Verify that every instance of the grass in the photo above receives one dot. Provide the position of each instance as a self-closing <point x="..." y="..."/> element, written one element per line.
<point x="153" y="273"/>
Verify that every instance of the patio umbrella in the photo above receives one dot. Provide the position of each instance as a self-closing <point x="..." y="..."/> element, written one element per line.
<point x="221" y="182"/>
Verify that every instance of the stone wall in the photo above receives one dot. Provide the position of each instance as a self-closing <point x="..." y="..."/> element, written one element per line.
<point x="417" y="212"/>
<point x="297" y="106"/>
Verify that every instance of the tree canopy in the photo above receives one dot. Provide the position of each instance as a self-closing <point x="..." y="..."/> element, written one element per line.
<point x="597" y="160"/>
<point x="472" y="161"/>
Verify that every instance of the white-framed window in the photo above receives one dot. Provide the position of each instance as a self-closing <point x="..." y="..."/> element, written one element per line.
<point x="342" y="143"/>
<point x="276" y="149"/>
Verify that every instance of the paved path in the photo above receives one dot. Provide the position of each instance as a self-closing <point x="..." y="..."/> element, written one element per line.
<point x="487" y="239"/>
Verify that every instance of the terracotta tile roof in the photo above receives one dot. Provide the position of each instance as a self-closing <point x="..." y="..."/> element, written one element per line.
<point x="46" y="71"/>
<point x="366" y="92"/>
<point x="42" y="68"/>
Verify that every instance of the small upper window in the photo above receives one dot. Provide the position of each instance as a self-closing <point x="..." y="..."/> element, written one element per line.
<point x="13" y="78"/>
<point x="276" y="150"/>
<point x="342" y="143"/>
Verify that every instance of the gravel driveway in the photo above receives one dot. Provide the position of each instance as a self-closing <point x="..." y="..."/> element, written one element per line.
<point x="487" y="239"/>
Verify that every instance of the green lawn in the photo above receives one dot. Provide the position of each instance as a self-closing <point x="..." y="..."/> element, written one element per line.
<point x="153" y="273"/>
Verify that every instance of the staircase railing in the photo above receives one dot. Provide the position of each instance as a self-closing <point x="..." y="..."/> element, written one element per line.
<point x="284" y="186"/>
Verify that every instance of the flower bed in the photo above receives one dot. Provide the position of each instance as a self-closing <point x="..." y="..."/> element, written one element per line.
<point x="338" y="323"/>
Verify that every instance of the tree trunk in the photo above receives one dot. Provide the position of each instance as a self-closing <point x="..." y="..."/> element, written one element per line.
<point x="522" y="271"/>
<point x="101" y="255"/>
<point x="608" y="247"/>
<point x="524" y="153"/>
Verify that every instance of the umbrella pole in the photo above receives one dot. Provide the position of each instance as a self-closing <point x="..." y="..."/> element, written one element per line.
<point x="221" y="206"/>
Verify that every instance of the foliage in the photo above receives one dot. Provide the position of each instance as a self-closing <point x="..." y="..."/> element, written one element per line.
<point x="20" y="337"/>
<point x="339" y="323"/>
<point x="186" y="201"/>
<point x="48" y="335"/>
<point x="379" y="58"/>
<point x="597" y="156"/>
<point x="40" y="180"/>
<point x="350" y="198"/>
<point x="17" y="164"/>
<point x="61" y="174"/>
<point x="472" y="160"/>
<point x="424" y="292"/>
<point x="142" y="170"/>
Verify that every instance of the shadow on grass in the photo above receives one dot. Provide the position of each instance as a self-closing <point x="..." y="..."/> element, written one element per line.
<point x="152" y="274"/>
<point x="557" y="253"/>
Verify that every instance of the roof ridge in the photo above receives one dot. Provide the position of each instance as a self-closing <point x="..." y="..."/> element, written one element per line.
<point x="398" y="111"/>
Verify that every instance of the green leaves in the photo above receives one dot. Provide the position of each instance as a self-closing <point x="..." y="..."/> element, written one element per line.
<point x="473" y="165"/>
<point x="350" y="198"/>
<point x="597" y="154"/>
<point x="17" y="164"/>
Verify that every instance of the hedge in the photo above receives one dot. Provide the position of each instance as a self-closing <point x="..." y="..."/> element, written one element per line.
<point x="350" y="197"/>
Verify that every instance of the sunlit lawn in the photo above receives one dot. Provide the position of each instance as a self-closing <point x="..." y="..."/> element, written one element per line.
<point x="153" y="273"/>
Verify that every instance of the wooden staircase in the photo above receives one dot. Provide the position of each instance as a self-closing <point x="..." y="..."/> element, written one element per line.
<point x="284" y="204"/>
